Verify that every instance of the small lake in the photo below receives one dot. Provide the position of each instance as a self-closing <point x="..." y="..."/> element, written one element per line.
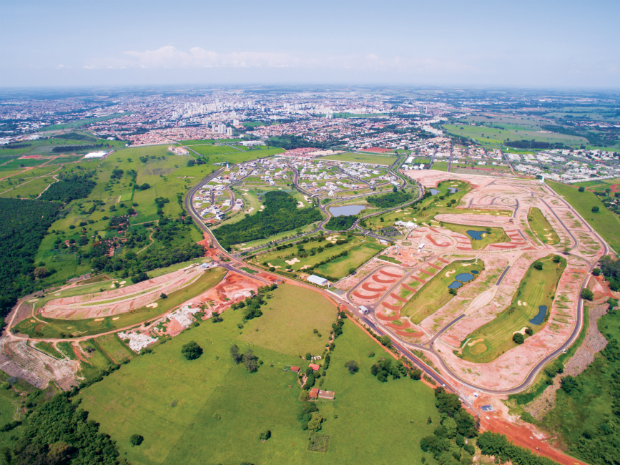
<point x="538" y="319"/>
<point x="346" y="210"/>
<point x="464" y="277"/>
<point x="455" y="285"/>
<point x="475" y="235"/>
<point x="434" y="191"/>
<point x="474" y="271"/>
<point x="453" y="190"/>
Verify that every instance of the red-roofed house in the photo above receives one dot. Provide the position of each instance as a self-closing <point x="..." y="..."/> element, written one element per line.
<point x="295" y="369"/>
<point x="314" y="393"/>
<point x="314" y="366"/>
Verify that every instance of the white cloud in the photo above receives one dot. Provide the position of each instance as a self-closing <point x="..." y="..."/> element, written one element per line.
<point x="169" y="57"/>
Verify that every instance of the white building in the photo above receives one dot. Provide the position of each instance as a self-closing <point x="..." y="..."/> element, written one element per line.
<point x="317" y="280"/>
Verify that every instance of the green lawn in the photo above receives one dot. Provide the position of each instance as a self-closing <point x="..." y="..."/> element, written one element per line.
<point x="49" y="349"/>
<point x="55" y="328"/>
<point x="541" y="227"/>
<point x="360" y="250"/>
<point x="210" y="411"/>
<point x="604" y="222"/>
<point x="497" y="235"/>
<point x="495" y="337"/>
<point x="435" y="293"/>
<point x="114" y="348"/>
<point x="362" y="158"/>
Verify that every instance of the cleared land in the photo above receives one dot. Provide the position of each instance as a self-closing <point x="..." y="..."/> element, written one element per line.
<point x="212" y="411"/>
<point x="54" y="328"/>
<point x="362" y="158"/>
<point x="435" y="293"/>
<point x="541" y="227"/>
<point x="605" y="222"/>
<point x="536" y="288"/>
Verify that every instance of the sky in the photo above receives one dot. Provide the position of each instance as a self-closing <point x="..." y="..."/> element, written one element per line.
<point x="499" y="43"/>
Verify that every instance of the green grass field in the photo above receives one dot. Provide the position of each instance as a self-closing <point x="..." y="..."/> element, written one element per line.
<point x="496" y="235"/>
<point x="604" y="222"/>
<point x="210" y="411"/>
<point x="360" y="250"/>
<point x="56" y="328"/>
<point x="362" y="158"/>
<point x="495" y="337"/>
<point x="541" y="227"/>
<point x="49" y="349"/>
<point x="435" y="293"/>
<point x="114" y="348"/>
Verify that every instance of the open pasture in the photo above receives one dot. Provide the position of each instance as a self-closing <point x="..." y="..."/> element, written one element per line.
<point x="212" y="411"/>
<point x="356" y="157"/>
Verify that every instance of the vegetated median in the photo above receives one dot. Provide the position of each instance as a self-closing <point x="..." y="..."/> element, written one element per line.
<point x="541" y="227"/>
<point x="537" y="289"/>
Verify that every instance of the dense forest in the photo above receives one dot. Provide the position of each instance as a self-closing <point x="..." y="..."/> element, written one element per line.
<point x="23" y="226"/>
<point x="57" y="432"/>
<point x="340" y="223"/>
<point x="70" y="187"/>
<point x="389" y="200"/>
<point x="176" y="247"/>
<point x="611" y="271"/>
<point x="280" y="214"/>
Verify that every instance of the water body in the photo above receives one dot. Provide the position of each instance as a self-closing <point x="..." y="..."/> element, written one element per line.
<point x="475" y="235"/>
<point x="453" y="190"/>
<point x="538" y="319"/>
<point x="347" y="210"/>
<point x="474" y="271"/>
<point x="455" y="285"/>
<point x="464" y="277"/>
<point x="434" y="191"/>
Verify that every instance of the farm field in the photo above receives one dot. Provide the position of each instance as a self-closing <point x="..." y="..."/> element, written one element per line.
<point x="212" y="411"/>
<point x="495" y="236"/>
<point x="541" y="227"/>
<point x="604" y="222"/>
<point x="359" y="250"/>
<point x="114" y="348"/>
<point x="536" y="288"/>
<point x="361" y="158"/>
<point x="55" y="328"/>
<point x="435" y="293"/>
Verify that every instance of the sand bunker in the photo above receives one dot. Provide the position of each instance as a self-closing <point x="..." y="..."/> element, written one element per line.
<point x="450" y="273"/>
<point x="293" y="261"/>
<point x="153" y="305"/>
<point x="273" y="266"/>
<point x="473" y="343"/>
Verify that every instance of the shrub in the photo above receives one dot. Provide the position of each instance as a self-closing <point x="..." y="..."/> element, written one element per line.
<point x="529" y="331"/>
<point x="163" y="296"/>
<point x="587" y="294"/>
<point x="136" y="439"/>
<point x="264" y="435"/>
<point x="352" y="366"/>
<point x="518" y="338"/>
<point x="452" y="291"/>
<point x="595" y="209"/>
<point x="538" y="266"/>
<point x="582" y="189"/>
<point x="596" y="271"/>
<point x="191" y="351"/>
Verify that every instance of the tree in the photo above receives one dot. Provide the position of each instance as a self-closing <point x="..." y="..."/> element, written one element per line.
<point x="453" y="292"/>
<point x="352" y="366"/>
<point x="569" y="385"/>
<point x="163" y="296"/>
<point x="529" y="331"/>
<point x="557" y="259"/>
<point x="595" y="209"/>
<point x="595" y="271"/>
<point x="518" y="338"/>
<point x="538" y="266"/>
<point x="587" y="294"/>
<point x="191" y="351"/>
<point x="40" y="272"/>
<point x="136" y="439"/>
<point x="308" y="356"/>
<point x="250" y="361"/>
<point x="139" y="277"/>
<point x="582" y="189"/>
<point x="351" y="270"/>
<point x="237" y="357"/>
<point x="264" y="435"/>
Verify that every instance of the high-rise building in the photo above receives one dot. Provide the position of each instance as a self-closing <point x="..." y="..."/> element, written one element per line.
<point x="229" y="131"/>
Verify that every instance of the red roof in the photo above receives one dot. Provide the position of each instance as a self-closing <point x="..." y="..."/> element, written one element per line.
<point x="295" y="369"/>
<point x="314" y="393"/>
<point x="314" y="366"/>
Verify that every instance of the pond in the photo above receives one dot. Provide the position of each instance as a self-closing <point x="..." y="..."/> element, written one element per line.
<point x="455" y="285"/>
<point x="538" y="319"/>
<point x="475" y="235"/>
<point x="346" y="210"/>
<point x="464" y="277"/>
<point x="453" y="190"/>
<point x="474" y="271"/>
<point x="434" y="191"/>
